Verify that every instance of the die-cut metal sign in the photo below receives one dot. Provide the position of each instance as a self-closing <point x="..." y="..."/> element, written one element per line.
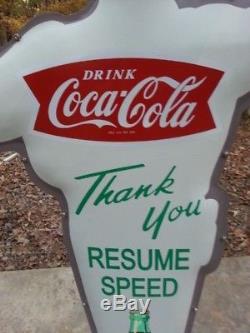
<point x="124" y="111"/>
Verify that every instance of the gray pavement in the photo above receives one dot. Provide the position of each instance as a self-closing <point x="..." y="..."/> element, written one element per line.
<point x="46" y="301"/>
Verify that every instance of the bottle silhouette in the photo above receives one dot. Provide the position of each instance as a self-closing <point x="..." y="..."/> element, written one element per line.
<point x="139" y="323"/>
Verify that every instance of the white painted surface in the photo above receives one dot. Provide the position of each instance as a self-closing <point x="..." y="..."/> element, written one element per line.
<point x="215" y="36"/>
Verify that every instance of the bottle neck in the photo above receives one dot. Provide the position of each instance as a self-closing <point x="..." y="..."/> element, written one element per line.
<point x="138" y="327"/>
<point x="139" y="324"/>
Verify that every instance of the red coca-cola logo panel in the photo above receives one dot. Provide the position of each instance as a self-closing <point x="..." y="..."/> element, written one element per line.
<point x="124" y="99"/>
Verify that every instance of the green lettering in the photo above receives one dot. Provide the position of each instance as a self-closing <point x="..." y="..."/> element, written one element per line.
<point x="164" y="263"/>
<point x="105" y="194"/>
<point x="100" y="176"/>
<point x="143" y="190"/>
<point x="193" y="211"/>
<point x="122" y="284"/>
<point x="166" y="184"/>
<point x="129" y="263"/>
<point x="156" y="224"/>
<point x="123" y="195"/>
<point x="175" y="213"/>
<point x="136" y="287"/>
<point x="152" y="287"/>
<point x="95" y="254"/>
<point x="108" y="289"/>
<point x="168" y="290"/>
<point x="180" y="259"/>
<point x="148" y="265"/>
<point x="110" y="258"/>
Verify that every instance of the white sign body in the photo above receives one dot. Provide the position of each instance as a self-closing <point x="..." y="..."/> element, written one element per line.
<point x="127" y="112"/>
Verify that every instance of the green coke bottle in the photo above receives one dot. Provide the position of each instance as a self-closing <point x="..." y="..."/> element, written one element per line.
<point x="139" y="323"/>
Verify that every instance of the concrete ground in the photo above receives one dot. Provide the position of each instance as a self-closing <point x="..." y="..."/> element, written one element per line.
<point x="46" y="301"/>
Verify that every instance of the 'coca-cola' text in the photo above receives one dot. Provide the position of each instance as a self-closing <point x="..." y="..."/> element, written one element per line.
<point x="124" y="99"/>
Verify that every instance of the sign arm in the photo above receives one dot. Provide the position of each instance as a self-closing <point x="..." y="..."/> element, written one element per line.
<point x="199" y="3"/>
<point x="85" y="12"/>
